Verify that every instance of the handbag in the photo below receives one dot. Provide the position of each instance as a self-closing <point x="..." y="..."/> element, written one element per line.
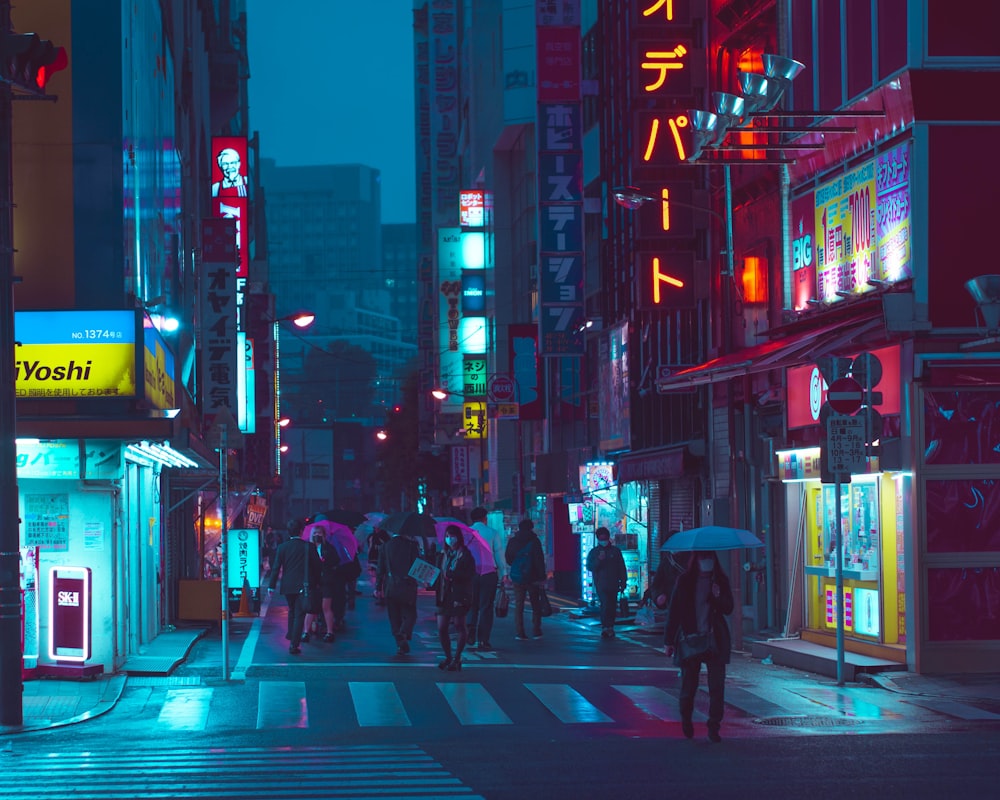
<point x="502" y="604"/>
<point x="694" y="646"/>
<point x="645" y="617"/>
<point x="544" y="604"/>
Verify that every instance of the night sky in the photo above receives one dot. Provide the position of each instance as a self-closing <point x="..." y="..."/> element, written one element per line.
<point x="331" y="82"/>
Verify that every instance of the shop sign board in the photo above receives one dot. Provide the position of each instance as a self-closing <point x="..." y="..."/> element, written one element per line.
<point x="845" y="445"/>
<point x="244" y="560"/>
<point x="69" y="613"/>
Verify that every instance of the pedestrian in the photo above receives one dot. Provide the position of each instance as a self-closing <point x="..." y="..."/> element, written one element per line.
<point x="297" y="561"/>
<point x="332" y="587"/>
<point x="396" y="557"/>
<point x="607" y="565"/>
<point x="701" y="599"/>
<point x="454" y="595"/>
<point x="527" y="573"/>
<point x="484" y="587"/>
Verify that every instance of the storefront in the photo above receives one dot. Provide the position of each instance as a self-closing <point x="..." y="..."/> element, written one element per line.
<point x="874" y="526"/>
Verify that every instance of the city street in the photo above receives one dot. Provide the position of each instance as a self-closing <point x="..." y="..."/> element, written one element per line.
<point x="568" y="715"/>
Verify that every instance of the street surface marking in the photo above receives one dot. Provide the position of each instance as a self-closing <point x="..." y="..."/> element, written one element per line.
<point x="952" y="708"/>
<point x="473" y="705"/>
<point x="751" y="703"/>
<point x="377" y="704"/>
<point x="186" y="709"/>
<point x="653" y="700"/>
<point x="282" y="704"/>
<point x="566" y="703"/>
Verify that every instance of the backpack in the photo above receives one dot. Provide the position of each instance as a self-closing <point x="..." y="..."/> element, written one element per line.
<point x="520" y="568"/>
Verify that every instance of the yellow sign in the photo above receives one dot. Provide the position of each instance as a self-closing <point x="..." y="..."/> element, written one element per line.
<point x="158" y="364"/>
<point x="75" y="370"/>
<point x="508" y="410"/>
<point x="474" y="420"/>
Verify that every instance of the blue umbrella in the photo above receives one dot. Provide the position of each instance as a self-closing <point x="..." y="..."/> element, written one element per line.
<point x="711" y="537"/>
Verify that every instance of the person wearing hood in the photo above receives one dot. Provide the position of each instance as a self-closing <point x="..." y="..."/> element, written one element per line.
<point x="701" y="600"/>
<point x="527" y="572"/>
<point x="607" y="564"/>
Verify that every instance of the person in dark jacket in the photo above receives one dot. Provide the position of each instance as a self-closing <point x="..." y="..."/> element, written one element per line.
<point x="454" y="595"/>
<point x="395" y="558"/>
<point x="527" y="574"/>
<point x="607" y="564"/>
<point x="298" y="563"/>
<point x="701" y="599"/>
<point x="376" y="541"/>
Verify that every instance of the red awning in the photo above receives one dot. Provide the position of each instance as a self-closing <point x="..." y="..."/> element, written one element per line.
<point x="799" y="348"/>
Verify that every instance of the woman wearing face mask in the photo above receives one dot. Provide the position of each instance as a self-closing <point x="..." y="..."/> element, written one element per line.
<point x="607" y="565"/>
<point x="701" y="599"/>
<point x="454" y="595"/>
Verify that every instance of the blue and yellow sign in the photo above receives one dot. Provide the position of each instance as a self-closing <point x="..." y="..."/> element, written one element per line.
<point x="75" y="354"/>
<point x="158" y="366"/>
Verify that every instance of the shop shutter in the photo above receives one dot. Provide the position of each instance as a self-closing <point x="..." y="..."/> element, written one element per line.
<point x="655" y="526"/>
<point x="681" y="506"/>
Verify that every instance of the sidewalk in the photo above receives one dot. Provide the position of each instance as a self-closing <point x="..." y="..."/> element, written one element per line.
<point x="51" y="703"/>
<point x="55" y="702"/>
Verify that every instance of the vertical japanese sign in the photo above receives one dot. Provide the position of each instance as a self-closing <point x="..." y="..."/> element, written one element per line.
<point x="666" y="67"/>
<point x="444" y="108"/>
<point x="803" y="251"/>
<point x="218" y="312"/>
<point x="230" y="192"/>
<point x="560" y="178"/>
<point x="523" y="355"/>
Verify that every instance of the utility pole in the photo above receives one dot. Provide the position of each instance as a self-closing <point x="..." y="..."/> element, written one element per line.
<point x="11" y="653"/>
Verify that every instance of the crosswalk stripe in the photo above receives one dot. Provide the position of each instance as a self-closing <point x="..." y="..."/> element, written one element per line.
<point x="282" y="704"/>
<point x="186" y="709"/>
<point x="377" y="704"/>
<point x="653" y="700"/>
<point x="566" y="703"/>
<point x="751" y="703"/>
<point x="254" y="773"/>
<point x="473" y="705"/>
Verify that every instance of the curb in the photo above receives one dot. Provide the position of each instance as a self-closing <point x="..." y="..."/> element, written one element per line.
<point x="109" y="697"/>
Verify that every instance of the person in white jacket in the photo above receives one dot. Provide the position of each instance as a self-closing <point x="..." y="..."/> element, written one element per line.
<point x="484" y="589"/>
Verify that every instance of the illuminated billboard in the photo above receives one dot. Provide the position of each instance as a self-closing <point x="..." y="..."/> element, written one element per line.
<point x="230" y="187"/>
<point x="74" y="353"/>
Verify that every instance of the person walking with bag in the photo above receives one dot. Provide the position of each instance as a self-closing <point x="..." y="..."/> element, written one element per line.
<point x="697" y="632"/>
<point x="607" y="564"/>
<point x="454" y="595"/>
<point x="395" y="558"/>
<point x="297" y="561"/>
<point x="527" y="573"/>
<point x="484" y="587"/>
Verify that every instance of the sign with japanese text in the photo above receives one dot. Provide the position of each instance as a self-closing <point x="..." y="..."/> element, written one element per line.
<point x="664" y="68"/>
<point x="525" y="366"/>
<point x="862" y="225"/>
<point x="667" y="279"/>
<point x="443" y="110"/>
<point x="46" y="521"/>
<point x="218" y="313"/>
<point x="474" y="421"/>
<point x="845" y="445"/>
<point x="230" y="192"/>
<point x="472" y="208"/>
<point x="459" y="465"/>
<point x="158" y="372"/>
<point x="657" y="12"/>
<point x="75" y="354"/>
<point x="474" y="376"/>
<point x="243" y="552"/>
<point x="560" y="178"/>
<point x="449" y="271"/>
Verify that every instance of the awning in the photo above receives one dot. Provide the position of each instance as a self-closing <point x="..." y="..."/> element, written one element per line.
<point x="661" y="464"/>
<point x="798" y="348"/>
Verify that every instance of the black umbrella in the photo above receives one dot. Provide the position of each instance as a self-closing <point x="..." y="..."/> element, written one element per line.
<point x="344" y="516"/>
<point x="410" y="523"/>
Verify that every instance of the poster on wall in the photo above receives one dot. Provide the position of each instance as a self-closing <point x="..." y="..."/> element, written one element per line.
<point x="46" y="521"/>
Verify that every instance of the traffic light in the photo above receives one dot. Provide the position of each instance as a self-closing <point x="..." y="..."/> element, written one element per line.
<point x="27" y="61"/>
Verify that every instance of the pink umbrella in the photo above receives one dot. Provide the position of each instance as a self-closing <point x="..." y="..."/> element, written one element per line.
<point x="336" y="534"/>
<point x="478" y="546"/>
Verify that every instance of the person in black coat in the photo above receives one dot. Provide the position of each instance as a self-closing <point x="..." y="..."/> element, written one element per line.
<point x="701" y="599"/>
<point x="454" y="595"/>
<point x="527" y="574"/>
<point x="607" y="564"/>
<point x="395" y="558"/>
<point x="298" y="563"/>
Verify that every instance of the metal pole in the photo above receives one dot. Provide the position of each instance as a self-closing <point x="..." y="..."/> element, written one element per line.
<point x="224" y="546"/>
<point x="840" y="585"/>
<point x="11" y="655"/>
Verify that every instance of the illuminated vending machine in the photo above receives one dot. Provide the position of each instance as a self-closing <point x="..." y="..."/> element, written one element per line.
<point x="581" y="520"/>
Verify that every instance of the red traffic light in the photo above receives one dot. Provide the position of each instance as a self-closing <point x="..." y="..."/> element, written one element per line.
<point x="27" y="61"/>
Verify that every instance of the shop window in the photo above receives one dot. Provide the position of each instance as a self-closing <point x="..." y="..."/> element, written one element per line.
<point x="962" y="427"/>
<point x="963" y="516"/>
<point x="964" y="604"/>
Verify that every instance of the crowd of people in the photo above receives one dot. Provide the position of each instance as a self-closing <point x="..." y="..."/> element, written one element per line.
<point x="318" y="578"/>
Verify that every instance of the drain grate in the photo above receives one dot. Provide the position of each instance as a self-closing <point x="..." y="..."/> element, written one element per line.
<point x="153" y="680"/>
<point x="807" y="722"/>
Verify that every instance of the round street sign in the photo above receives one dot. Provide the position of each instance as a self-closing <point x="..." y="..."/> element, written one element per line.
<point x="500" y="389"/>
<point x="845" y="395"/>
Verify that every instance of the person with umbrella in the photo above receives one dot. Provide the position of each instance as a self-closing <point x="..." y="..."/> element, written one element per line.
<point x="480" y="619"/>
<point x="395" y="559"/>
<point x="607" y="564"/>
<point x="297" y="561"/>
<point x="454" y="595"/>
<point x="697" y="633"/>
